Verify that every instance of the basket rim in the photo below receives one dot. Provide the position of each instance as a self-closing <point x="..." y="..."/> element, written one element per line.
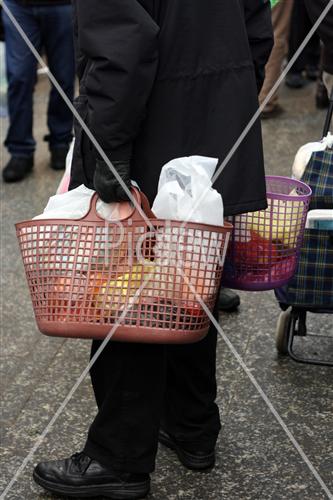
<point x="226" y="228"/>
<point x="288" y="197"/>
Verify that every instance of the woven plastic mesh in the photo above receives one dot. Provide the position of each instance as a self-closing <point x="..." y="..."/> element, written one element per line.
<point x="265" y="245"/>
<point x="87" y="274"/>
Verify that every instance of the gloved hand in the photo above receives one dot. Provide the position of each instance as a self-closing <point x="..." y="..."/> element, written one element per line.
<point x="107" y="185"/>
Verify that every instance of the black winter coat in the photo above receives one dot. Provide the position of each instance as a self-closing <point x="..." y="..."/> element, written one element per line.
<point x="161" y="79"/>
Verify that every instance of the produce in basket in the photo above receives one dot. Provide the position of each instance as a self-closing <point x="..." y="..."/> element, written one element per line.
<point x="279" y="223"/>
<point x="256" y="251"/>
<point x="124" y="287"/>
<point x="165" y="314"/>
<point x="66" y="296"/>
<point x="271" y="273"/>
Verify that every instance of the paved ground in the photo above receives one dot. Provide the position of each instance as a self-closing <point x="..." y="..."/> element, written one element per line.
<point x="256" y="461"/>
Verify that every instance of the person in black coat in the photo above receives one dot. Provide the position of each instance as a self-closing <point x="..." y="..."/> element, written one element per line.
<point x="161" y="79"/>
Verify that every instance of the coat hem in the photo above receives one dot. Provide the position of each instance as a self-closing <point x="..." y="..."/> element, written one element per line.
<point x="242" y="208"/>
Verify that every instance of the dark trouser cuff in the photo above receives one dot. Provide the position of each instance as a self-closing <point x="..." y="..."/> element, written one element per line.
<point x="117" y="464"/>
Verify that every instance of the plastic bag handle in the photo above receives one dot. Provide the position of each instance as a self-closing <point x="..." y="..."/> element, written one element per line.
<point x="141" y="199"/>
<point x="328" y="116"/>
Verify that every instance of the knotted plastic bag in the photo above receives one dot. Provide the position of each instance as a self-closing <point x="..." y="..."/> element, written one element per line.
<point x="185" y="194"/>
<point x="180" y="192"/>
<point x="304" y="154"/>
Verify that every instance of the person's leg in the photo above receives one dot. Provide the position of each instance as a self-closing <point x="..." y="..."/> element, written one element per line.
<point x="57" y="33"/>
<point x="312" y="51"/>
<point x="281" y="21"/>
<point x="191" y="415"/>
<point x="21" y="74"/>
<point x="322" y="100"/>
<point x="310" y="56"/>
<point x="119" y="454"/>
<point x="298" y="26"/>
<point x="312" y="62"/>
<point x="128" y="381"/>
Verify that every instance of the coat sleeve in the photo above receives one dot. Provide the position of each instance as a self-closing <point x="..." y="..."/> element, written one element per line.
<point x="325" y="30"/>
<point x="258" y="21"/>
<point x="119" y="39"/>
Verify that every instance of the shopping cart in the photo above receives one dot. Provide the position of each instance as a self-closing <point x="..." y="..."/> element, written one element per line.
<point x="311" y="288"/>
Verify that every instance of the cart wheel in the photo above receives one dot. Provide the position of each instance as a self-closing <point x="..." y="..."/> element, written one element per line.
<point x="282" y="332"/>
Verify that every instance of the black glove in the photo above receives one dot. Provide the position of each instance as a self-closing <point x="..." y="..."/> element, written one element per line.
<point x="107" y="185"/>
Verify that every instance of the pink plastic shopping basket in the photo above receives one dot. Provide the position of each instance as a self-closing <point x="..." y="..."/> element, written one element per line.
<point x="265" y="245"/>
<point x="140" y="279"/>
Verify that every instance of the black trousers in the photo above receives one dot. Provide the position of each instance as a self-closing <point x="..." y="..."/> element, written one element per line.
<point x="140" y="387"/>
<point x="299" y="28"/>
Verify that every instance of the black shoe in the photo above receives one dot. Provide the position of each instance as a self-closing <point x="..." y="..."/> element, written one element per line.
<point x="58" y="158"/>
<point x="81" y="477"/>
<point x="229" y="301"/>
<point x="17" y="168"/>
<point x="312" y="73"/>
<point x="295" y="80"/>
<point x="194" y="460"/>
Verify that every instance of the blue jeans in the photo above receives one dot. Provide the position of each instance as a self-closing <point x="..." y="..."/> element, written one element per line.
<point x="50" y="28"/>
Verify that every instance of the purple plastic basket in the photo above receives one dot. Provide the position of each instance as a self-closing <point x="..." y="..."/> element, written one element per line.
<point x="265" y="245"/>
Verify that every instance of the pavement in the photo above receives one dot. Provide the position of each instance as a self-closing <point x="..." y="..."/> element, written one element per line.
<point x="255" y="458"/>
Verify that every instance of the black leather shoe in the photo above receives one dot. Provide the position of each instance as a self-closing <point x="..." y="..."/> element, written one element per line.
<point x="58" y="158"/>
<point x="82" y="477"/>
<point x="194" y="460"/>
<point x="17" y="168"/>
<point x="229" y="301"/>
<point x="312" y="73"/>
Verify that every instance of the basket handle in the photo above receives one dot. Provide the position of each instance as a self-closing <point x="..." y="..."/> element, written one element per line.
<point x="146" y="207"/>
<point x="141" y="199"/>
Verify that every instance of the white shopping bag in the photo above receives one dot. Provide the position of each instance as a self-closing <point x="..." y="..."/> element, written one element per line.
<point x="304" y="154"/>
<point x="181" y="186"/>
<point x="185" y="193"/>
<point x="75" y="204"/>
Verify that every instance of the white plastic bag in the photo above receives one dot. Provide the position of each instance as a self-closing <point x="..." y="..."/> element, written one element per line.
<point x="303" y="155"/>
<point x="181" y="185"/>
<point x="75" y="204"/>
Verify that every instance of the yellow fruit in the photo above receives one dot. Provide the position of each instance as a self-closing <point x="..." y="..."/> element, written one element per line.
<point x="124" y="286"/>
<point x="279" y="223"/>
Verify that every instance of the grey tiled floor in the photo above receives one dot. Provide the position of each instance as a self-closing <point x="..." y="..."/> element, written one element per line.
<point x="255" y="459"/>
